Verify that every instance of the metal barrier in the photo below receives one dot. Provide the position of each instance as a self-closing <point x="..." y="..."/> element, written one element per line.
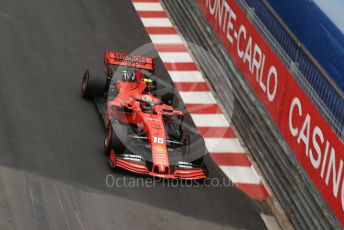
<point x="329" y="103"/>
<point x="296" y="193"/>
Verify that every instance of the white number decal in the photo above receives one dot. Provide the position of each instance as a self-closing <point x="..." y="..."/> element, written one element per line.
<point x="158" y="140"/>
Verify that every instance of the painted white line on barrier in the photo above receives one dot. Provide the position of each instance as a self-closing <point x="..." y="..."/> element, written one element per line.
<point x="270" y="222"/>
<point x="197" y="97"/>
<point x="156" y="22"/>
<point x="240" y="174"/>
<point x="223" y="145"/>
<point x="147" y="6"/>
<point x="166" y="39"/>
<point x="186" y="76"/>
<point x="175" y="57"/>
<point x="210" y="120"/>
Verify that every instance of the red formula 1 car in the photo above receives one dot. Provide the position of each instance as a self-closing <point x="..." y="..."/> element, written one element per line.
<point x="144" y="135"/>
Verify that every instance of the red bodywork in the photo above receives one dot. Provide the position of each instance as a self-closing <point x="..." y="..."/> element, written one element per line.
<point x="129" y="97"/>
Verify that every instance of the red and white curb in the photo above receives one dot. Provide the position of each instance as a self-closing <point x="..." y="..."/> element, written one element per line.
<point x="221" y="142"/>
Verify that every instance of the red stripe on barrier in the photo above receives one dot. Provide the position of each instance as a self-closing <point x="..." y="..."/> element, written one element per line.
<point x="234" y="159"/>
<point x="216" y="132"/>
<point x="190" y="66"/>
<point x="255" y="191"/>
<point x="192" y="86"/>
<point x="170" y="48"/>
<point x="152" y="14"/>
<point x="203" y="108"/>
<point x="161" y="30"/>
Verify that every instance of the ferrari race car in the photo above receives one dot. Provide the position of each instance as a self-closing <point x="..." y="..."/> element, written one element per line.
<point x="143" y="134"/>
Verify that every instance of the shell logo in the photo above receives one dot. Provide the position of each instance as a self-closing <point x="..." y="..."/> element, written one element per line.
<point x="159" y="148"/>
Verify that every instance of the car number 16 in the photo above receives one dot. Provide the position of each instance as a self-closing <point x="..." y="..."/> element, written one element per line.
<point x="158" y="140"/>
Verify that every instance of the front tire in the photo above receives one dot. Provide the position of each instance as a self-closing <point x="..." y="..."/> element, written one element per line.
<point x="174" y="129"/>
<point x="108" y="140"/>
<point x="186" y="147"/>
<point x="111" y="141"/>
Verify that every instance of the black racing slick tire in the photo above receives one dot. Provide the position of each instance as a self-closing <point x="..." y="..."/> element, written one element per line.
<point x="186" y="147"/>
<point x="108" y="140"/>
<point x="93" y="84"/>
<point x="174" y="129"/>
<point x="111" y="141"/>
<point x="190" y="147"/>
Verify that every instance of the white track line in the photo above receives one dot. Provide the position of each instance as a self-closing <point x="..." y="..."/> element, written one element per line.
<point x="166" y="39"/>
<point x="240" y="174"/>
<point x="210" y="120"/>
<point x="186" y="76"/>
<point x="197" y="97"/>
<point x="156" y="22"/>
<point x="175" y="57"/>
<point x="147" y="6"/>
<point x="223" y="145"/>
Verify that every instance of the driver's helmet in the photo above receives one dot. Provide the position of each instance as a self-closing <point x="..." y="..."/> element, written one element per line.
<point x="145" y="105"/>
<point x="147" y="98"/>
<point x="130" y="77"/>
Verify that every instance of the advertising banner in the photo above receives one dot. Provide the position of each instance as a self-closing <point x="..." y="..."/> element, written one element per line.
<point x="316" y="146"/>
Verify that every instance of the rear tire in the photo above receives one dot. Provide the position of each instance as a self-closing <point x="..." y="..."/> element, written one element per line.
<point x="93" y="84"/>
<point x="167" y="98"/>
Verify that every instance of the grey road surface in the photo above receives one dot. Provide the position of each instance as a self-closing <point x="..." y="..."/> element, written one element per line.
<point x="53" y="172"/>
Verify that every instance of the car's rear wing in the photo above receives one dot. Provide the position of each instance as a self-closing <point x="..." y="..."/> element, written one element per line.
<point x="141" y="62"/>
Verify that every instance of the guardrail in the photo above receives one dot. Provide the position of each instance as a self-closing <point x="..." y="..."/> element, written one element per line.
<point x="290" y="183"/>
<point x="316" y="64"/>
<point x="319" y="79"/>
